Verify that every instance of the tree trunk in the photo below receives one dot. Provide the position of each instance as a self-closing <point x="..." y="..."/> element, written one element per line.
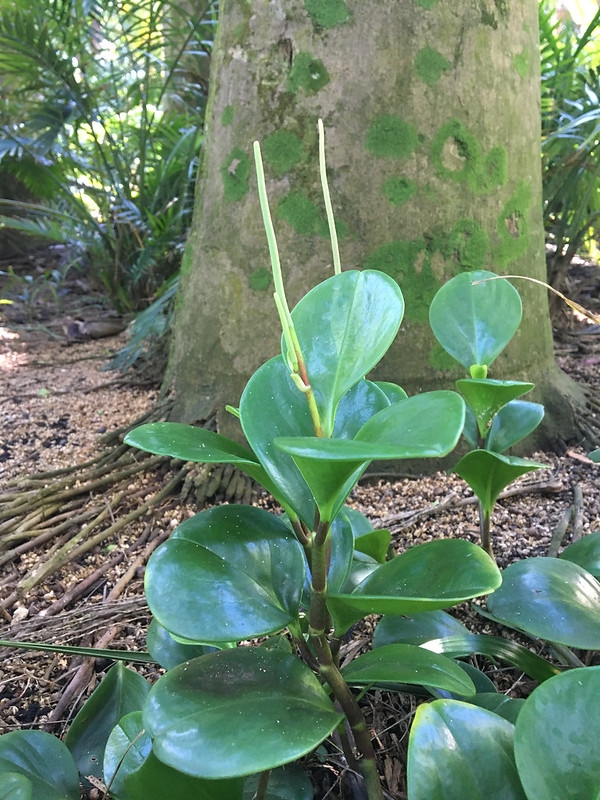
<point x="431" y="111"/>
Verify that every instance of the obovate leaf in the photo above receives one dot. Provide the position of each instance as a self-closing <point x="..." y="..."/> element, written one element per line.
<point x="457" y="751"/>
<point x="43" y="760"/>
<point x="429" y="576"/>
<point x="487" y="397"/>
<point x="416" y="629"/>
<point x="166" y="651"/>
<point x="358" y="405"/>
<point x="585" y="552"/>
<point x="135" y="773"/>
<point x="15" y="786"/>
<point x="272" y="406"/>
<point x="400" y="431"/>
<point x="563" y="715"/>
<point x="475" y="321"/>
<point x="237" y="712"/>
<point x="407" y="664"/>
<point x="512" y="423"/>
<point x="230" y="573"/>
<point x="190" y="443"/>
<point x="345" y="325"/>
<point x="489" y="473"/>
<point x="285" y="783"/>
<point x="507" y="707"/>
<point x="551" y="598"/>
<point x="121" y="691"/>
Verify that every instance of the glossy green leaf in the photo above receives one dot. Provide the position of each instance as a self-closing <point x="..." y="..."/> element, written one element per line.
<point x="595" y="456"/>
<point x="375" y="544"/>
<point x="43" y="760"/>
<point x="272" y="406"/>
<point x="166" y="651"/>
<point x="551" y="598"/>
<point x="285" y="783"/>
<point x="392" y="391"/>
<point x="121" y="691"/>
<point x="230" y="573"/>
<point x="407" y="664"/>
<point x="345" y="325"/>
<point x="489" y="473"/>
<point x="342" y="549"/>
<point x="470" y="429"/>
<point x="487" y="397"/>
<point x="190" y="443"/>
<point x="429" y="576"/>
<point x="475" y="321"/>
<point x="507" y="707"/>
<point x="416" y="629"/>
<point x="358" y="405"/>
<point x="236" y="712"/>
<point x="564" y="715"/>
<point x="457" y="751"/>
<point x="14" y="786"/>
<point x="513" y="423"/>
<point x="402" y="430"/>
<point x="494" y="647"/>
<point x="134" y="772"/>
<point x="585" y="552"/>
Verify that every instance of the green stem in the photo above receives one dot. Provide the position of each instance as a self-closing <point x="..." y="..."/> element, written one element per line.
<point x="263" y="785"/>
<point x="337" y="266"/>
<point x="485" y="525"/>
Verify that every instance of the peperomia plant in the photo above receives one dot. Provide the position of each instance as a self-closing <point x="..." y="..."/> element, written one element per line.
<point x="289" y="588"/>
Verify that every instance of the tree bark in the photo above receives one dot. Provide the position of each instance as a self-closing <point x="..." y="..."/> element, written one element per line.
<point x="431" y="111"/>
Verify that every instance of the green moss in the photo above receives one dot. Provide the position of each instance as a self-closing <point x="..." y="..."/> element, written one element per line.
<point x="307" y="73"/>
<point x="521" y="63"/>
<point x="235" y="172"/>
<point x="302" y="214"/>
<point x="282" y="150"/>
<point x="408" y="263"/>
<point x="390" y="136"/>
<point x="398" y="190"/>
<point x="187" y="262"/>
<point x="227" y="116"/>
<point x="455" y="152"/>
<point x="260" y="279"/>
<point x="487" y="18"/>
<point x="491" y="172"/>
<point x="466" y="245"/>
<point x="440" y="360"/>
<point x="513" y="226"/>
<point x="429" y="65"/>
<point x="327" y="13"/>
<point x="426" y="3"/>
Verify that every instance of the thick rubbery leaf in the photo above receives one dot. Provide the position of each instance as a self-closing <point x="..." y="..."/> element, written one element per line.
<point x="135" y="773"/>
<point x="486" y="397"/>
<point x="429" y="576"/>
<point x="506" y="707"/>
<point x="237" y="712"/>
<point x="457" y="751"/>
<point x="226" y="574"/>
<point x="512" y="423"/>
<point x="14" y="786"/>
<point x="345" y="325"/>
<point x="166" y="651"/>
<point x="495" y="648"/>
<point x="585" y="552"/>
<point x="416" y="629"/>
<point x="392" y="391"/>
<point x="489" y="473"/>
<point x="402" y="430"/>
<point x="551" y="598"/>
<point x="285" y="783"/>
<point x="475" y="321"/>
<point x="121" y="691"/>
<point x="563" y="714"/>
<point x="43" y="760"/>
<point x="407" y="664"/>
<point x="190" y="443"/>
<point x="358" y="405"/>
<point x="271" y="406"/>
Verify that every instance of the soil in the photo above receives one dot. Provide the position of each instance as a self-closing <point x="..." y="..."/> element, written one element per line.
<point x="80" y="513"/>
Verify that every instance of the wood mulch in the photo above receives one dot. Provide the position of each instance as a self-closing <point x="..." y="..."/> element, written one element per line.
<point x="80" y="514"/>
